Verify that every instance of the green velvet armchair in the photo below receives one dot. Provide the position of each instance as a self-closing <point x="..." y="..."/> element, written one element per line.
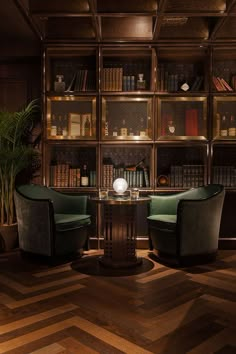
<point x="50" y="223"/>
<point x="184" y="227"/>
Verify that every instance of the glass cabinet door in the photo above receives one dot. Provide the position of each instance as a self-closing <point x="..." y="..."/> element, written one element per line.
<point x="224" y="164"/>
<point x="134" y="163"/>
<point x="71" y="118"/>
<point x="179" y="165"/>
<point x="126" y="118"/>
<point x="127" y="70"/>
<point x="65" y="163"/>
<point x="181" y="69"/>
<point x="182" y="118"/>
<point x="224" y="118"/>
<point x="71" y="70"/>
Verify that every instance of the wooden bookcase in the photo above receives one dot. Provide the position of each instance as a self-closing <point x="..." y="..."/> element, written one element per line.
<point x="156" y="105"/>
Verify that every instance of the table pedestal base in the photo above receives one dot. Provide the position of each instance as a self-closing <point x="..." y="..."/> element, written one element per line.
<point x="107" y="262"/>
<point x="120" y="236"/>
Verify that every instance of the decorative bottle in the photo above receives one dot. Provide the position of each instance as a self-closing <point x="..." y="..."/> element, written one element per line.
<point x="84" y="176"/>
<point x="170" y="129"/>
<point x="141" y="83"/>
<point x="142" y="131"/>
<point x="123" y="130"/>
<point x="115" y="131"/>
<point x="59" y="125"/>
<point x="232" y="126"/>
<point x="223" y="126"/>
<point x="87" y="127"/>
<point x="53" y="131"/>
<point x="59" y="84"/>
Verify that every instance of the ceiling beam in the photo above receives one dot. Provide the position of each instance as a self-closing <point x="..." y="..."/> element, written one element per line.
<point x="96" y="20"/>
<point x="221" y="21"/>
<point x="27" y="18"/>
<point x="159" y="18"/>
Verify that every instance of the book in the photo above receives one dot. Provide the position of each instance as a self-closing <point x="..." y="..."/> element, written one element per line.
<point x="226" y="85"/>
<point x="71" y="86"/>
<point x="191" y="122"/>
<point x="218" y="84"/>
<point x="146" y="178"/>
<point x="84" y="83"/>
<point x="197" y="83"/>
<point x="161" y="78"/>
<point x="233" y="82"/>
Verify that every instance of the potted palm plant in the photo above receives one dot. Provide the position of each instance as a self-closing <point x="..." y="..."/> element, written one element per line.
<point x="15" y="155"/>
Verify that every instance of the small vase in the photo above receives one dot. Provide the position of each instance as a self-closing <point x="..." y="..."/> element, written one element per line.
<point x="8" y="237"/>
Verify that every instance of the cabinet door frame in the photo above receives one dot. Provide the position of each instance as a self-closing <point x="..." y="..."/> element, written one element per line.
<point x="148" y="100"/>
<point x="180" y="99"/>
<point x="66" y="99"/>
<point x="216" y="118"/>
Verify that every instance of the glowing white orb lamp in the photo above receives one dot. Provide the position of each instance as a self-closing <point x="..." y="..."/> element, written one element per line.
<point x="120" y="186"/>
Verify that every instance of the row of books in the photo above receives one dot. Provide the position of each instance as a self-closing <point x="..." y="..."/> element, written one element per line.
<point x="62" y="175"/>
<point x="83" y="80"/>
<point x="171" y="82"/>
<point x="138" y="178"/>
<point x="115" y="79"/>
<point x="112" y="79"/>
<point x="225" y="175"/>
<point x="221" y="84"/>
<point x="186" y="176"/>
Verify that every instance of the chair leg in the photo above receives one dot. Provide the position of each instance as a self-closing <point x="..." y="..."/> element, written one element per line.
<point x="86" y="245"/>
<point x="150" y="241"/>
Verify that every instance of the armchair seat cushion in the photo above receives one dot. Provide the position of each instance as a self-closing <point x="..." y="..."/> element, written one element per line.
<point x="66" y="222"/>
<point x="163" y="222"/>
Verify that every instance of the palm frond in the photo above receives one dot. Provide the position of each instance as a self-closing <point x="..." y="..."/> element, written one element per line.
<point x="15" y="153"/>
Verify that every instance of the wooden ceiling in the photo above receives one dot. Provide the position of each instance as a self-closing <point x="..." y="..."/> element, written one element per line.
<point x="127" y="21"/>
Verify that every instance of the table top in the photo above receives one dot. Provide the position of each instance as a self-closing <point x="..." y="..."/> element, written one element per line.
<point x="121" y="200"/>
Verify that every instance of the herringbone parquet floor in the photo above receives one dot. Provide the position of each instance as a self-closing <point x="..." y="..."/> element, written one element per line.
<point x="60" y="309"/>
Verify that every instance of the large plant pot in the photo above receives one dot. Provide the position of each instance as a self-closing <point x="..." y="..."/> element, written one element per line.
<point x="8" y="237"/>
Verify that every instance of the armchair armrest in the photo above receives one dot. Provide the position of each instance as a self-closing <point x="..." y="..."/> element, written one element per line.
<point x="35" y="220"/>
<point x="201" y="236"/>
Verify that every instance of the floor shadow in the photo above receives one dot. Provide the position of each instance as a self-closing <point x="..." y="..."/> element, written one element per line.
<point x="192" y="267"/>
<point x="90" y="265"/>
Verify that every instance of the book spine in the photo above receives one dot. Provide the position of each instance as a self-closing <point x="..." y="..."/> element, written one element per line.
<point x="146" y="177"/>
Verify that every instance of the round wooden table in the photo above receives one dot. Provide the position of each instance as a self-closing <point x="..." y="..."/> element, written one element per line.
<point x="120" y="231"/>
